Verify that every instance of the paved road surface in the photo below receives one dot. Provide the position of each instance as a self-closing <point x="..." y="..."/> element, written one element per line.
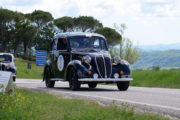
<point x="158" y="100"/>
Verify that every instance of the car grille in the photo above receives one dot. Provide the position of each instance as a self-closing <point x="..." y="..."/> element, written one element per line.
<point x="104" y="66"/>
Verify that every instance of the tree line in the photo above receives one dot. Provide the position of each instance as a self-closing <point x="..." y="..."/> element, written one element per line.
<point x="21" y="33"/>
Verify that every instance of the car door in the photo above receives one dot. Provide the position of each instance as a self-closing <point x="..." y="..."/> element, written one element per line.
<point x="61" y="57"/>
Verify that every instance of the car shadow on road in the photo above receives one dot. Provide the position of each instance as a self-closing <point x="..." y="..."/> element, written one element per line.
<point x="85" y="89"/>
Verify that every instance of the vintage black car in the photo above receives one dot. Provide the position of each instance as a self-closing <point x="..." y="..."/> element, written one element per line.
<point x="7" y="64"/>
<point x="83" y="58"/>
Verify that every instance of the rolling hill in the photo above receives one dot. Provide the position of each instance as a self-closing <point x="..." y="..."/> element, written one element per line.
<point x="166" y="59"/>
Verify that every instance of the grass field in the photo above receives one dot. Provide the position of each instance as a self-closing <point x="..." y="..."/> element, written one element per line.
<point x="26" y="105"/>
<point x="22" y="71"/>
<point x="161" y="78"/>
<point x="144" y="78"/>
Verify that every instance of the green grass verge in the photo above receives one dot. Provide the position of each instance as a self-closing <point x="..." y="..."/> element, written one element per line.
<point x="22" y="71"/>
<point x="161" y="78"/>
<point x="26" y="105"/>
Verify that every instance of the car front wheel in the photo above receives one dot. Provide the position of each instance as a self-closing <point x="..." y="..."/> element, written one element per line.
<point x="49" y="84"/>
<point x="74" y="84"/>
<point x="123" y="86"/>
<point x="92" y="85"/>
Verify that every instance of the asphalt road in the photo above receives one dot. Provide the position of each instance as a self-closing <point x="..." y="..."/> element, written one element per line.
<point x="156" y="100"/>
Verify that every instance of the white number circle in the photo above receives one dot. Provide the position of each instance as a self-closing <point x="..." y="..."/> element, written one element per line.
<point x="60" y="63"/>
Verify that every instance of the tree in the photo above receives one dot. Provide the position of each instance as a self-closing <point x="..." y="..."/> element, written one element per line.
<point x="126" y="50"/>
<point x="16" y="32"/>
<point x="65" y="24"/>
<point x="41" y="18"/>
<point x="29" y="34"/>
<point x="121" y="29"/>
<point x="79" y="24"/>
<point x="130" y="52"/>
<point x="86" y="24"/>
<point x="111" y="35"/>
<point x="6" y="18"/>
<point x="46" y="35"/>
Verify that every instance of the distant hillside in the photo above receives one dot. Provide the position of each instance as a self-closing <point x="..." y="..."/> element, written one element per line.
<point x="166" y="59"/>
<point x="159" y="47"/>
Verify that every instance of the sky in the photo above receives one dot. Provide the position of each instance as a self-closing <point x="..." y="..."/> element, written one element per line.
<point x="148" y="22"/>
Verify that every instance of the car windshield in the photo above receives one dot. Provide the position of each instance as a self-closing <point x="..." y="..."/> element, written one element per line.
<point x="87" y="43"/>
<point x="5" y="58"/>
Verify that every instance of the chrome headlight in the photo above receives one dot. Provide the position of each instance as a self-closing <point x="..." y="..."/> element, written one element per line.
<point x="86" y="59"/>
<point x="124" y="62"/>
<point x="117" y="59"/>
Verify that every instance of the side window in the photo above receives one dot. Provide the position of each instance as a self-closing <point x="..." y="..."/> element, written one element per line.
<point x="62" y="44"/>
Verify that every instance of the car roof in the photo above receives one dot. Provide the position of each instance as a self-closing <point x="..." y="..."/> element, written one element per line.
<point x="70" y="34"/>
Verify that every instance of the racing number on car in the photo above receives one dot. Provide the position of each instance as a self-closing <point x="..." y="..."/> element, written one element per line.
<point x="60" y="62"/>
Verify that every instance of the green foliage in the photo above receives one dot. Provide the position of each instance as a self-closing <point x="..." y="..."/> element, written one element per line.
<point x="44" y="37"/>
<point x="79" y="24"/>
<point x="127" y="52"/>
<point x="154" y="78"/>
<point x="86" y="24"/>
<point x="126" y="49"/>
<point x="41" y="18"/>
<point x="111" y="35"/>
<point x="166" y="59"/>
<point x="65" y="24"/>
<point x="156" y="68"/>
<point x="25" y="105"/>
<point x="6" y="18"/>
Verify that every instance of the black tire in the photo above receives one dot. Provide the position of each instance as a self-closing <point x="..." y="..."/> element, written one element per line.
<point x="74" y="84"/>
<point x="49" y="84"/>
<point x="123" y="86"/>
<point x="14" y="79"/>
<point x="92" y="85"/>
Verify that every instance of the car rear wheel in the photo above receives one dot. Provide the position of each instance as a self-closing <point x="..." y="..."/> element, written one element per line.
<point x="92" y="85"/>
<point x="74" y="84"/>
<point x="123" y="86"/>
<point x="49" y="84"/>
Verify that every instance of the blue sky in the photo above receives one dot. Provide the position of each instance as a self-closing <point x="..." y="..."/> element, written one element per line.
<point x="148" y="21"/>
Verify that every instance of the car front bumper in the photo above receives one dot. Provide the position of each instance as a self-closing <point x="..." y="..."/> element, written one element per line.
<point x="104" y="79"/>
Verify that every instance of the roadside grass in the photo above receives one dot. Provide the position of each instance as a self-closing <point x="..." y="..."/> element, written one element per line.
<point x="22" y="71"/>
<point x="161" y="78"/>
<point x="26" y="105"/>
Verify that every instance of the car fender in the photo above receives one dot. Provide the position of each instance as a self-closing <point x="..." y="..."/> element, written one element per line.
<point x="79" y="68"/>
<point x="48" y="64"/>
<point x="121" y="67"/>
